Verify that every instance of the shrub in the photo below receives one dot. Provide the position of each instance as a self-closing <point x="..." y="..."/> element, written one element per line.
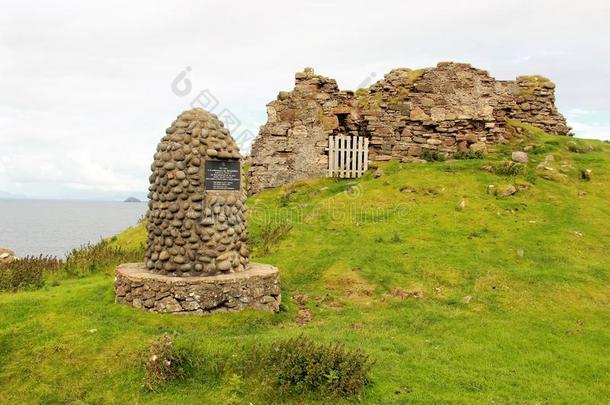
<point x="469" y="155"/>
<point x="300" y="366"/>
<point x="90" y="258"/>
<point x="270" y="235"/>
<point x="285" y="198"/>
<point x="235" y="386"/>
<point x="507" y="168"/>
<point x="433" y="156"/>
<point x="577" y="147"/>
<point x="531" y="176"/>
<point x="27" y="272"/>
<point x="288" y="367"/>
<point x="30" y="272"/>
<point x="163" y="363"/>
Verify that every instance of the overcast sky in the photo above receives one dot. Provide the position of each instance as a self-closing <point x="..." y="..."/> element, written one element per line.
<point x="86" y="87"/>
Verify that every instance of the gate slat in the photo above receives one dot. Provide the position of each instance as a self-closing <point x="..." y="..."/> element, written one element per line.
<point x="363" y="156"/>
<point x="366" y="154"/>
<point x="352" y="163"/>
<point x="345" y="156"/>
<point x="359" y="173"/>
<point x="342" y="157"/>
<point x="359" y="157"/>
<point x="330" y="157"/>
<point x="337" y="155"/>
<point x="335" y="161"/>
<point x="347" y="151"/>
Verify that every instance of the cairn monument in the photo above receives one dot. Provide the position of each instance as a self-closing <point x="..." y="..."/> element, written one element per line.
<point x="197" y="256"/>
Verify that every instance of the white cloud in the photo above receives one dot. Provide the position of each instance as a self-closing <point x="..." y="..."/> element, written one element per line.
<point x="590" y="124"/>
<point x="591" y="131"/>
<point x="85" y="87"/>
<point x="579" y="112"/>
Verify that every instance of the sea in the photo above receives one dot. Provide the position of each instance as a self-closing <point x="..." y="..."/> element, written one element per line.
<point x="34" y="227"/>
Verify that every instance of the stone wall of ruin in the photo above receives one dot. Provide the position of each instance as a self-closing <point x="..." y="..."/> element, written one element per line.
<point x="291" y="146"/>
<point x="452" y="107"/>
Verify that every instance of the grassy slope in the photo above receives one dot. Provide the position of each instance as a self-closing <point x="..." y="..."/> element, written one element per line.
<point x="537" y="327"/>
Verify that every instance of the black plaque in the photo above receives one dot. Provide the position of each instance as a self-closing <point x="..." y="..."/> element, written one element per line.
<point x="222" y="175"/>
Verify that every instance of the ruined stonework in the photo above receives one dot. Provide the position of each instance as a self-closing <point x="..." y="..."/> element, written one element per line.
<point x="197" y="249"/>
<point x="452" y="107"/>
<point x="192" y="232"/>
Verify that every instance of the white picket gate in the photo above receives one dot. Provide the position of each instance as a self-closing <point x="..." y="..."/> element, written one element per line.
<point x="348" y="156"/>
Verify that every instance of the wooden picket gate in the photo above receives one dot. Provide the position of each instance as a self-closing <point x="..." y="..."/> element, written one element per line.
<point x="348" y="156"/>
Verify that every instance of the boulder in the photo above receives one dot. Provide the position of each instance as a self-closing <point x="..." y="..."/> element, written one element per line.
<point x="7" y="256"/>
<point x="478" y="147"/>
<point x="510" y="190"/>
<point x="520" y="157"/>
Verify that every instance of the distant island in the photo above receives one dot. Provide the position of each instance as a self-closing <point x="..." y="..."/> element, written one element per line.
<point x="132" y="200"/>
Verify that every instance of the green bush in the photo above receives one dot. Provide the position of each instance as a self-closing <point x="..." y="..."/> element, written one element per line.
<point x="507" y="168"/>
<point x="280" y="370"/>
<point x="433" y="156"/>
<point x="163" y="363"/>
<point x="270" y="235"/>
<point x="30" y="272"/>
<point x="285" y="198"/>
<point x="301" y="366"/>
<point x="91" y="258"/>
<point x="27" y="273"/>
<point x="547" y="147"/>
<point x="469" y="155"/>
<point x="577" y="147"/>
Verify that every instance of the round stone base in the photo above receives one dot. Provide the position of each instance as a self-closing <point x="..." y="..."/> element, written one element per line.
<point x="256" y="287"/>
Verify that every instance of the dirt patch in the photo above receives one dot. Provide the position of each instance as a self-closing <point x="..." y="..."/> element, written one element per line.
<point x="304" y="315"/>
<point x="402" y="294"/>
<point x="348" y="283"/>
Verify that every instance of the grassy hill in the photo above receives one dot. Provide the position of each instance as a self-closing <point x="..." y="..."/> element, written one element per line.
<point x="458" y="292"/>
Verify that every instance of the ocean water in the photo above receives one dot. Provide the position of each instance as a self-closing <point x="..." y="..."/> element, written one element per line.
<point x="32" y="227"/>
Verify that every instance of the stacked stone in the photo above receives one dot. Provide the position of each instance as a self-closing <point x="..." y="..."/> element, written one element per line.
<point x="535" y="104"/>
<point x="445" y="109"/>
<point x="291" y="145"/>
<point x="259" y="288"/>
<point x="193" y="232"/>
<point x="452" y="107"/>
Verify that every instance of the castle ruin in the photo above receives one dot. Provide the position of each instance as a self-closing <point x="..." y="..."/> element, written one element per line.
<point x="452" y="107"/>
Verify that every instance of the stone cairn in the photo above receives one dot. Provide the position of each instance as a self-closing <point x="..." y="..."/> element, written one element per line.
<point x="191" y="233"/>
<point x="197" y="257"/>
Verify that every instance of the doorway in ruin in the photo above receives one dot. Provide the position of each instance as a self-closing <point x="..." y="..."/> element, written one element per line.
<point x="348" y="155"/>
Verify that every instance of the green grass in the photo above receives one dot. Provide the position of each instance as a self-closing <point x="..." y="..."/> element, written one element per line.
<point x="532" y="83"/>
<point x="536" y="327"/>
